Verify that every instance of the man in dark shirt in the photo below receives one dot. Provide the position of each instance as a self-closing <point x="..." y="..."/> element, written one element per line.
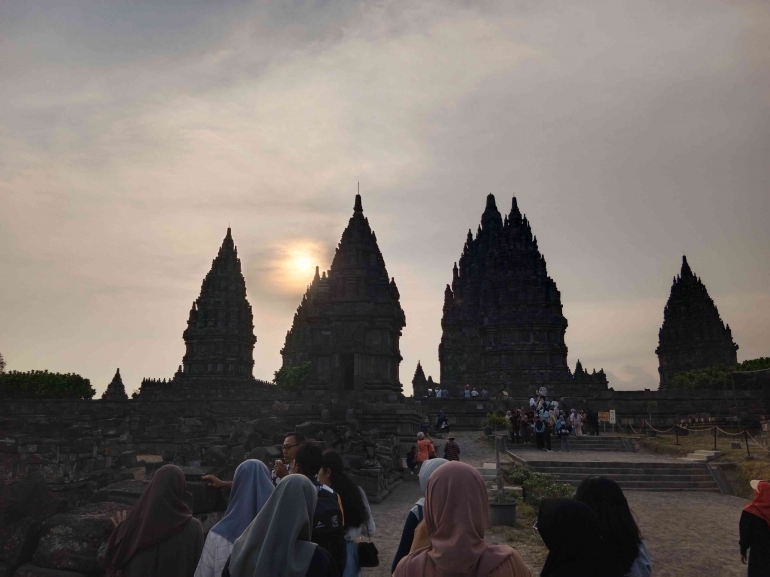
<point x="452" y="449"/>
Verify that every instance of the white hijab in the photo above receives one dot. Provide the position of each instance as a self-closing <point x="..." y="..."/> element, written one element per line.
<point x="425" y="472"/>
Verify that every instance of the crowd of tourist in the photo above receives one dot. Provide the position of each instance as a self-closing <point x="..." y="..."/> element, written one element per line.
<point x="307" y="519"/>
<point x="543" y="419"/>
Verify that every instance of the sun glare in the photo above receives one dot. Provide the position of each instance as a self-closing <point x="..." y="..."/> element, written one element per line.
<point x="303" y="264"/>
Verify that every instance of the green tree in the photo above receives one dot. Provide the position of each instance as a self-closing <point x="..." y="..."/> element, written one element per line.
<point x="293" y="377"/>
<point x="715" y="377"/>
<point x="2" y="364"/>
<point x="44" y="385"/>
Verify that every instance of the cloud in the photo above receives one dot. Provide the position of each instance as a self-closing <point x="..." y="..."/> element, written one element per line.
<point x="133" y="136"/>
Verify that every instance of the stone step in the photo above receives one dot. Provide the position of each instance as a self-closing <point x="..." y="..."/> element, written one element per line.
<point x="641" y="476"/>
<point x="618" y="470"/>
<point x="617" y="464"/>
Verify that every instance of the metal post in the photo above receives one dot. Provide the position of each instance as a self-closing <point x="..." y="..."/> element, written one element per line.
<point x="676" y="431"/>
<point x="746" y="436"/>
<point x="715" y="437"/>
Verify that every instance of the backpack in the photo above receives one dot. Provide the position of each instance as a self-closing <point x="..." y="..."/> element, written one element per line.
<point x="328" y="526"/>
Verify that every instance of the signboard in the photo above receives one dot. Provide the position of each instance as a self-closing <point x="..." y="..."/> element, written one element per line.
<point x="612" y="416"/>
<point x="604" y="416"/>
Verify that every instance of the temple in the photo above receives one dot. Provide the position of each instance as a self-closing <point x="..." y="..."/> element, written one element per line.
<point x="693" y="335"/>
<point x="503" y="326"/>
<point x="115" y="391"/>
<point x="349" y="322"/>
<point x="219" y="338"/>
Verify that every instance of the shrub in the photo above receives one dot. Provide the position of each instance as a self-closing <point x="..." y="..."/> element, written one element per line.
<point x="44" y="385"/>
<point x="293" y="377"/>
<point x="495" y="421"/>
<point x="537" y="486"/>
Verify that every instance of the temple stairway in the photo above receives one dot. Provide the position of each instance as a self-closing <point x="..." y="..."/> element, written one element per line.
<point x="657" y="476"/>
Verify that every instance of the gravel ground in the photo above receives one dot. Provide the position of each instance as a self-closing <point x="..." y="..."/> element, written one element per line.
<point x="688" y="534"/>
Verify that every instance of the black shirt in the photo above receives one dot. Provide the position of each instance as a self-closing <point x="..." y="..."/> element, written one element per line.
<point x="755" y="538"/>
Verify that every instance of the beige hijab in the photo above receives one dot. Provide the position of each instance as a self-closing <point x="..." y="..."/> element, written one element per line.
<point x="456" y="518"/>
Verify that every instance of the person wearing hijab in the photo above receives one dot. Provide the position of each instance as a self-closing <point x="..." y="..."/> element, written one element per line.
<point x="456" y="518"/>
<point x="252" y="486"/>
<point x="278" y="541"/>
<point x="624" y="550"/>
<point x="570" y="530"/>
<point x="416" y="514"/>
<point x="159" y="536"/>
<point x="754" y="528"/>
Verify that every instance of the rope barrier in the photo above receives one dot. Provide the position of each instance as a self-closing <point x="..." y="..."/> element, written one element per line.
<point x="756" y="444"/>
<point x="657" y="430"/>
<point x="730" y="434"/>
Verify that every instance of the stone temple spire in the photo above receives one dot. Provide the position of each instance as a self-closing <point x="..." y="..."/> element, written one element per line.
<point x="693" y="335"/>
<point x="349" y="322"/>
<point x="503" y="326"/>
<point x="220" y="337"/>
<point x="115" y="390"/>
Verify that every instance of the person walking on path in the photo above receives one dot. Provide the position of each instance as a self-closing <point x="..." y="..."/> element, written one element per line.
<point x="425" y="448"/>
<point x="624" y="551"/>
<point x="524" y="428"/>
<point x="252" y="487"/>
<point x="416" y="514"/>
<point x="577" y="423"/>
<point x="411" y="459"/>
<point x="754" y="528"/>
<point x="278" y="541"/>
<point x="540" y="434"/>
<point x="451" y="449"/>
<point x="355" y="505"/>
<point x="570" y="530"/>
<point x="456" y="519"/>
<point x="159" y="536"/>
<point x="563" y="430"/>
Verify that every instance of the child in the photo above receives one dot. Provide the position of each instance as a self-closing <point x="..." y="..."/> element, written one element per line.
<point x="410" y="459"/>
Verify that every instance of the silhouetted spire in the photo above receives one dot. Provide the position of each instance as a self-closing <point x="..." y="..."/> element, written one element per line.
<point x="115" y="390"/>
<point x="358" y="206"/>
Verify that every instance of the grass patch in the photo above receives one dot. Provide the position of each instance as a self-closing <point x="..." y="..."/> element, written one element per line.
<point x="738" y="467"/>
<point x="523" y="538"/>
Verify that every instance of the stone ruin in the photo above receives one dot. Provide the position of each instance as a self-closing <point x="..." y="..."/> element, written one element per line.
<point x="63" y="480"/>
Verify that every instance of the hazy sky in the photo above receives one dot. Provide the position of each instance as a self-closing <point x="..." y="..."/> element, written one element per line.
<point x="133" y="133"/>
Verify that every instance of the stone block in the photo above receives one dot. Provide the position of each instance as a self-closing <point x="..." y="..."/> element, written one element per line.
<point x="125" y="492"/>
<point x="275" y="451"/>
<point x="30" y="570"/>
<point x="70" y="541"/>
<point x="215" y="455"/>
<point x="127" y="459"/>
<point x="27" y="498"/>
<point x="259" y="453"/>
<point x="18" y="541"/>
<point x="237" y="455"/>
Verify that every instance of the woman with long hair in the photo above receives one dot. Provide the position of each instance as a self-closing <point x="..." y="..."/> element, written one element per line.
<point x="159" y="536"/>
<point x="278" y="541"/>
<point x="755" y="530"/>
<point x="357" y="515"/>
<point x="252" y="487"/>
<point x="456" y="518"/>
<point x="570" y="530"/>
<point x="624" y="550"/>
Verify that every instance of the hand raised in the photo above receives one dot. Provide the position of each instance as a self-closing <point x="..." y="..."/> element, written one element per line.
<point x="213" y="481"/>
<point x="118" y="518"/>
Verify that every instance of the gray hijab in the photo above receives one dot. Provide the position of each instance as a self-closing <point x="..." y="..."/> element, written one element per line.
<point x="277" y="543"/>
<point x="425" y="472"/>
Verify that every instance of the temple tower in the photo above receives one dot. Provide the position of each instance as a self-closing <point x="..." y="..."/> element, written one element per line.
<point x="116" y="391"/>
<point x="349" y="322"/>
<point x="219" y="338"/>
<point x="503" y="326"/>
<point x="693" y="335"/>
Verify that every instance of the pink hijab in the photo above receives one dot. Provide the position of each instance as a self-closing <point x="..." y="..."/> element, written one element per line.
<point x="456" y="517"/>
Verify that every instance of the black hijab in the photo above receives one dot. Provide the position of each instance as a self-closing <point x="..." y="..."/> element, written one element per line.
<point x="570" y="530"/>
<point x="158" y="514"/>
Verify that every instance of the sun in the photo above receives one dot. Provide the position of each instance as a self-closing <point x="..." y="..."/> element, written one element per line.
<point x="303" y="264"/>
